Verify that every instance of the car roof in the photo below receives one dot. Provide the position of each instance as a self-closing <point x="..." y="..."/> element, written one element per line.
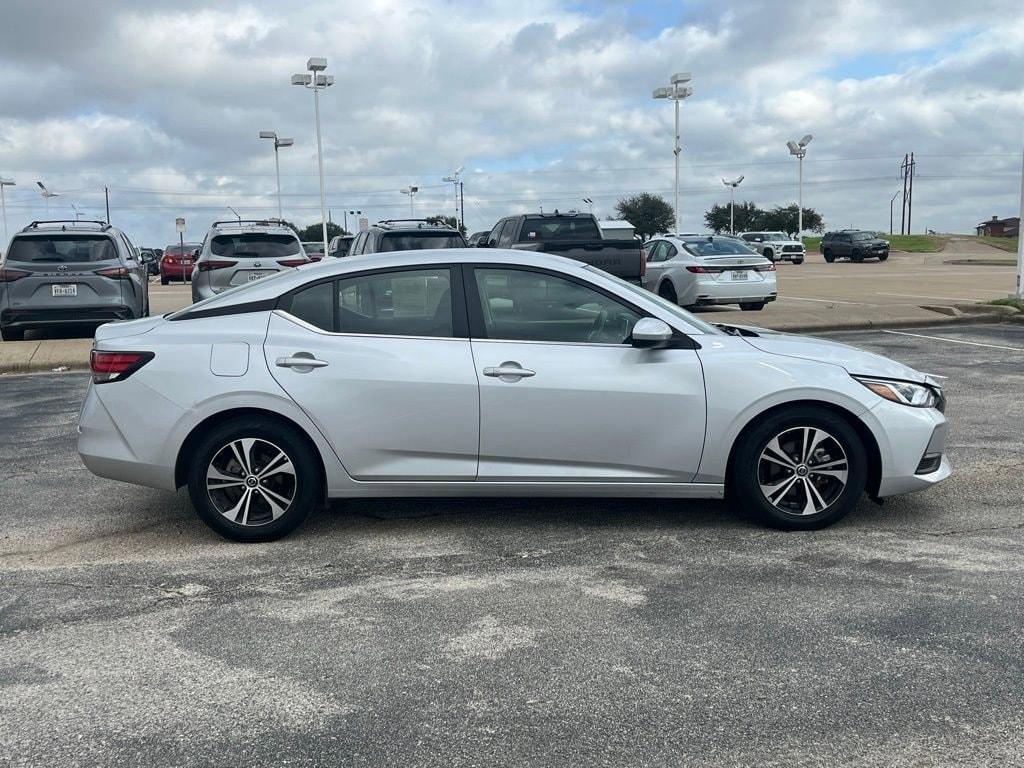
<point x="249" y="227"/>
<point x="59" y="226"/>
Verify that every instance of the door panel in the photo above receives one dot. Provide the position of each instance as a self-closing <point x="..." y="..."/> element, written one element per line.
<point x="393" y="408"/>
<point x="590" y="412"/>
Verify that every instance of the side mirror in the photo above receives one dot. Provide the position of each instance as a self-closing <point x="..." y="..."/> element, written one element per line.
<point x="650" y="333"/>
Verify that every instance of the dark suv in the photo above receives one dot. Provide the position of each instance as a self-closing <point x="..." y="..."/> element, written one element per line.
<point x="70" y="273"/>
<point x="405" y="235"/>
<point x="853" y="244"/>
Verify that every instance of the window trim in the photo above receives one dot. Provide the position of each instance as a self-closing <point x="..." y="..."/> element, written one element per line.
<point x="460" y="319"/>
<point x="478" y="326"/>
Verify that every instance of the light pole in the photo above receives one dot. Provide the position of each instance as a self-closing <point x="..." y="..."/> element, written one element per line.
<point x="798" y="149"/>
<point x="411" y="191"/>
<point x="316" y="81"/>
<point x="454" y="180"/>
<point x="732" y="200"/>
<point x="47" y="194"/>
<point x="3" y="204"/>
<point x="676" y="91"/>
<point x="278" y="143"/>
<point x="891" y="201"/>
<point x="78" y="213"/>
<point x="1020" y="240"/>
<point x="237" y="216"/>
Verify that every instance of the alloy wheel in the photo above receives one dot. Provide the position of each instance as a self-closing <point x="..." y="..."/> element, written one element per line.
<point x="802" y="471"/>
<point x="251" y="481"/>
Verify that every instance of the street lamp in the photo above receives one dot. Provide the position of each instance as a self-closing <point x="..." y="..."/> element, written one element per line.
<point x="732" y="200"/>
<point x="455" y="180"/>
<point x="316" y="82"/>
<point x="411" y="191"/>
<point x="47" y="194"/>
<point x="237" y="216"/>
<point x="1020" y="240"/>
<point x="798" y="149"/>
<point x="78" y="213"/>
<point x="3" y="203"/>
<point x="676" y="92"/>
<point x="278" y="143"/>
<point x="891" y="201"/>
<point x="590" y="202"/>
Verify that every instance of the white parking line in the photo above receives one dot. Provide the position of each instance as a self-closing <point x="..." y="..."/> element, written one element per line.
<point x="920" y="296"/>
<point x="827" y="301"/>
<point x="955" y="341"/>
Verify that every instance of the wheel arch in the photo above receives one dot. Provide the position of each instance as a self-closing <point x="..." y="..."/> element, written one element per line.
<point x="867" y="437"/>
<point x="203" y="428"/>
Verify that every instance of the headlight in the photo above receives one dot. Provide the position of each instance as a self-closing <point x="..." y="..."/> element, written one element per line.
<point x="902" y="392"/>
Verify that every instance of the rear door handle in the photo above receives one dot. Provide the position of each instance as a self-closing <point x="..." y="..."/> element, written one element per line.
<point x="302" y="362"/>
<point x="509" y="371"/>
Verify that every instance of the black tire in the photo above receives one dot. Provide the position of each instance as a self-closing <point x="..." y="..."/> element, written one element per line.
<point x="857" y="257"/>
<point x="304" y="488"/>
<point x="667" y="291"/>
<point x="163" y="280"/>
<point x="828" y="255"/>
<point x="883" y="256"/>
<point x="798" y="261"/>
<point x="12" y="334"/>
<point x="748" y="470"/>
<point x="769" y="254"/>
<point x="751" y="306"/>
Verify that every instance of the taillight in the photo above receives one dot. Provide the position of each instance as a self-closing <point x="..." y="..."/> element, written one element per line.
<point x="764" y="268"/>
<point x="208" y="266"/>
<point x="115" y="366"/>
<point x="114" y="273"/>
<point x="698" y="270"/>
<point x="292" y="262"/>
<point x="10" y="275"/>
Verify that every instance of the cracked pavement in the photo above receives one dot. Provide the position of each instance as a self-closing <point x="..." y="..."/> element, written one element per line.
<point x="568" y="632"/>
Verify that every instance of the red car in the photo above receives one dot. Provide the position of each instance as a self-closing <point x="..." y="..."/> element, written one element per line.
<point x="176" y="265"/>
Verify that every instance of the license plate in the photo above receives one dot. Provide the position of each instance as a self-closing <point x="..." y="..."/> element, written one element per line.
<point x="65" y="290"/>
<point x="255" y="276"/>
<point x="739" y="274"/>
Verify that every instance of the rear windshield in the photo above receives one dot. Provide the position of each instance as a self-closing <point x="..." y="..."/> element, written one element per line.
<point x="560" y="228"/>
<point x="255" y="245"/>
<point x="59" y="249"/>
<point x="717" y="246"/>
<point x="175" y="250"/>
<point x="416" y="241"/>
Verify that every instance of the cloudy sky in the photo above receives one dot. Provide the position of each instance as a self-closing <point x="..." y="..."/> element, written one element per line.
<point x="544" y="102"/>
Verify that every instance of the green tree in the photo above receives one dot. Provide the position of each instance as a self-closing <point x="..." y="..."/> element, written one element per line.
<point x="441" y="220"/>
<point x="649" y="214"/>
<point x="784" y="219"/>
<point x="746" y="216"/>
<point x="313" y="232"/>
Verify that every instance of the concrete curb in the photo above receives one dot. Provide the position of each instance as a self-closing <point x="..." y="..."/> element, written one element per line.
<point x="58" y="356"/>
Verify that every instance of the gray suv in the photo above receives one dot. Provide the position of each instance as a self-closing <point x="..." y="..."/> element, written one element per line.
<point x="406" y="235"/>
<point x="239" y="252"/>
<point x="70" y="273"/>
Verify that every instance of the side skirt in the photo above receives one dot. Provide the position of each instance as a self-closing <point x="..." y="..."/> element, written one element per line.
<point x="510" y="488"/>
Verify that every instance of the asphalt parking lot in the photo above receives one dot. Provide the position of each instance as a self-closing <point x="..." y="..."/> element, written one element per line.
<point x="505" y="632"/>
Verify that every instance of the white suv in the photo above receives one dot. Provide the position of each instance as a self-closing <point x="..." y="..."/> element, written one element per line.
<point x="775" y="246"/>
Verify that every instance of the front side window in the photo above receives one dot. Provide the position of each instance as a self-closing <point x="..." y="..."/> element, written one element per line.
<point x="533" y="306"/>
<point x="507" y="233"/>
<point x="62" y="249"/>
<point x="254" y="245"/>
<point x="406" y="303"/>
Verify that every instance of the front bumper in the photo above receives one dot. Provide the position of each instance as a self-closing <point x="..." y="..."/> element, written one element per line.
<point x="909" y="441"/>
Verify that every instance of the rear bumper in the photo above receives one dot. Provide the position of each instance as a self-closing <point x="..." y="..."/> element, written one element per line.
<point x="176" y="271"/>
<point x="45" y="318"/>
<point x="715" y="300"/>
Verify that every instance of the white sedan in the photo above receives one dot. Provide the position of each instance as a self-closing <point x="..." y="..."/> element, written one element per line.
<point x="459" y="372"/>
<point x="701" y="270"/>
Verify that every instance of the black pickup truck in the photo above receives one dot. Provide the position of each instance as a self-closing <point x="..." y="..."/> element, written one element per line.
<point x="573" y="235"/>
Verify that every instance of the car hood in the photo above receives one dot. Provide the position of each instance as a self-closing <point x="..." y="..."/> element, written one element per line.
<point x="856" y="361"/>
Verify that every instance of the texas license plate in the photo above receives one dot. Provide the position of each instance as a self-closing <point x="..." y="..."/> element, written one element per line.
<point x="65" y="290"/>
<point x="739" y="274"/>
<point x="256" y="276"/>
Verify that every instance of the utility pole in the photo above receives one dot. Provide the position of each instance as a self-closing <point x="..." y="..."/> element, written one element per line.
<point x="106" y="197"/>
<point x="3" y="208"/>
<point x="462" y="203"/>
<point x="1020" y="240"/>
<point x="910" y="195"/>
<point x="903" y="207"/>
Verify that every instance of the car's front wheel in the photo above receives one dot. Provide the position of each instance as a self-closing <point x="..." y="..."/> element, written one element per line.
<point x="828" y="256"/>
<point x="883" y="256"/>
<point x="251" y="480"/>
<point x="799" y="469"/>
<point x="12" y="334"/>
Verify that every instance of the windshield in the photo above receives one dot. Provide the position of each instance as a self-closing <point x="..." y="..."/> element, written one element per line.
<point x="776" y="236"/>
<point x="254" y="245"/>
<point x="417" y="241"/>
<point x="862" y="236"/>
<point x="62" y="249"/>
<point x="673" y="309"/>
<point x="717" y="246"/>
<point x="560" y="228"/>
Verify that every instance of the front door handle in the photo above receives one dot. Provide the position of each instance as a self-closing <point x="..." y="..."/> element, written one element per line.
<point x="509" y="371"/>
<point x="301" y="362"/>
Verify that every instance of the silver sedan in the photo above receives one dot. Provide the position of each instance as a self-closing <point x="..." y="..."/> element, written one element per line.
<point x="459" y="372"/>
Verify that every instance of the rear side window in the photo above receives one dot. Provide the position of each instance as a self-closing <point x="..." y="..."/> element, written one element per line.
<point x="62" y="249"/>
<point x="559" y="228"/>
<point x="407" y="303"/>
<point x="415" y="241"/>
<point x="315" y="305"/>
<point x="254" y="245"/>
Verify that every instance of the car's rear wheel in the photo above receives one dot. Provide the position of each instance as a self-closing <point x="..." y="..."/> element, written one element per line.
<point x="251" y="480"/>
<point x="799" y="469"/>
<point x="828" y="255"/>
<point x="857" y="257"/>
<point x="751" y="306"/>
<point x="12" y="334"/>
<point x="668" y="292"/>
<point x="163" y="280"/>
